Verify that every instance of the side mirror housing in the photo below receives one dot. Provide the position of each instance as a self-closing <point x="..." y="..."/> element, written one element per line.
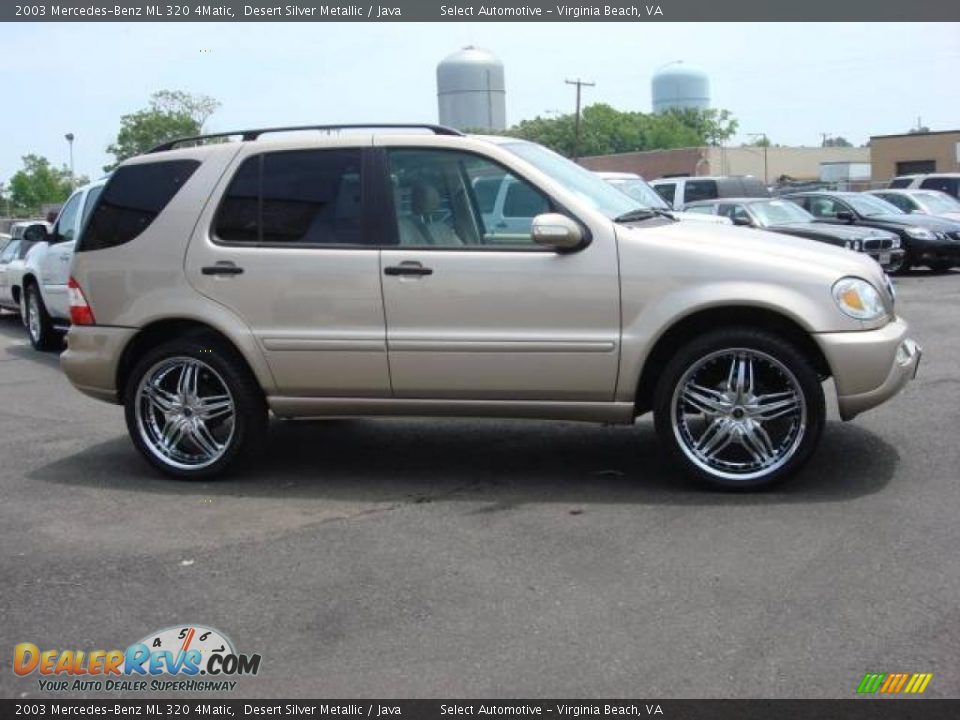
<point x="742" y="222"/>
<point x="36" y="233"/>
<point x="845" y="215"/>
<point x="557" y="232"/>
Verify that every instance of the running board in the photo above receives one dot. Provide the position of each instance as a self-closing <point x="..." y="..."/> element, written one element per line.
<point x="305" y="407"/>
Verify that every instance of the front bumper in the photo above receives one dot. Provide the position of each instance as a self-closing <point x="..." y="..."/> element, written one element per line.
<point x="92" y="356"/>
<point x="938" y="252"/>
<point x="869" y="367"/>
<point x="893" y="257"/>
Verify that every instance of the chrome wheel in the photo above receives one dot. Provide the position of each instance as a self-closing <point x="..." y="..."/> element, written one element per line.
<point x="738" y="414"/>
<point x="185" y="413"/>
<point x="33" y="316"/>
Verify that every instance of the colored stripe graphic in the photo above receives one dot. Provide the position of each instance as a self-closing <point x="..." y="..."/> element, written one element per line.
<point x="894" y="683"/>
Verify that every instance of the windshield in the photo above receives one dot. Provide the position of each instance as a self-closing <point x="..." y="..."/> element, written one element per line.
<point x="937" y="202"/>
<point x="780" y="212"/>
<point x="639" y="191"/>
<point x="588" y="187"/>
<point x="868" y="205"/>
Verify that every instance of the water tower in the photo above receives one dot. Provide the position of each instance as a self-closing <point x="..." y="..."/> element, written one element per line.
<point x="470" y="90"/>
<point x="677" y="85"/>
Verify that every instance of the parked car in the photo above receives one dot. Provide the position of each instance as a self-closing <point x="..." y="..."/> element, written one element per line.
<point x="945" y="182"/>
<point x="217" y="282"/>
<point x="638" y="188"/>
<point x="783" y="216"/>
<point x="923" y="202"/>
<point x="680" y="191"/>
<point x="930" y="241"/>
<point x="24" y="235"/>
<point x="46" y="307"/>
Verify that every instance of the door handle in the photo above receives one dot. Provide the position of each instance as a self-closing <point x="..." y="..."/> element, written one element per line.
<point x="407" y="268"/>
<point x="222" y="268"/>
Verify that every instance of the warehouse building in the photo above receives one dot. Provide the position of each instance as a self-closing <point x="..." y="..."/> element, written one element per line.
<point x="769" y="164"/>
<point x="910" y="153"/>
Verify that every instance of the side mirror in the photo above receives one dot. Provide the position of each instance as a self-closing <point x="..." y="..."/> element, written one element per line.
<point x="845" y="215"/>
<point x="36" y="233"/>
<point x="556" y="231"/>
<point x="743" y="222"/>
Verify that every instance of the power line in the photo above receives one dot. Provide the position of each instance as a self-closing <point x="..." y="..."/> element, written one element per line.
<point x="576" y="122"/>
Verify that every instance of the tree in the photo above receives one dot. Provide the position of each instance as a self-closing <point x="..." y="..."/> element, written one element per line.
<point x="171" y="114"/>
<point x="836" y="142"/>
<point x="39" y="183"/>
<point x="605" y="130"/>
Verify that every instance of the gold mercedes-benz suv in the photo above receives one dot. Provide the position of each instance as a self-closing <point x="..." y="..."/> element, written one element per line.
<point x="412" y="270"/>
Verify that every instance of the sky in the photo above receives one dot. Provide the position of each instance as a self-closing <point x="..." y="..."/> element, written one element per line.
<point x="790" y="81"/>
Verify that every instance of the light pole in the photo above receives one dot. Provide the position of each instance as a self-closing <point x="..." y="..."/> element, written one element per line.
<point x="576" y="122"/>
<point x="69" y="138"/>
<point x="766" y="144"/>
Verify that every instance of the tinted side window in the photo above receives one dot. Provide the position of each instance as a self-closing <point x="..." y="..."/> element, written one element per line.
<point x="700" y="190"/>
<point x="10" y="252"/>
<point x="824" y="207"/>
<point x="304" y="196"/>
<point x="667" y="191"/>
<point x="67" y="221"/>
<point x="131" y="201"/>
<point x="901" y="201"/>
<point x="947" y="185"/>
<point x="523" y="201"/>
<point x="90" y="202"/>
<point x="900" y="182"/>
<point x="486" y="189"/>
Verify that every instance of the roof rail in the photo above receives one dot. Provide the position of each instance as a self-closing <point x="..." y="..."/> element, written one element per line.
<point x="255" y="134"/>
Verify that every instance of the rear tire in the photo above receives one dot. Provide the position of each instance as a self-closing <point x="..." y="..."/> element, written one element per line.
<point x="739" y="408"/>
<point x="194" y="409"/>
<point x="43" y="336"/>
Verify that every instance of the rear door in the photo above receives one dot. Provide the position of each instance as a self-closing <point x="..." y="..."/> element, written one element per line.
<point x="482" y="313"/>
<point x="293" y="250"/>
<point x="6" y="257"/>
<point x="55" y="263"/>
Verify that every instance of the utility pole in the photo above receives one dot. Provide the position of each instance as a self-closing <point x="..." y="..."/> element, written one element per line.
<point x="576" y="122"/>
<point x="766" y="145"/>
<point x="69" y="138"/>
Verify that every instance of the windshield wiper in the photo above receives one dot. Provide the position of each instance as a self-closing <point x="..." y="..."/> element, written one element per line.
<point x="643" y="214"/>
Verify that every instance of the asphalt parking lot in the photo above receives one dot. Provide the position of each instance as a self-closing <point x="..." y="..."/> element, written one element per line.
<point x="418" y="558"/>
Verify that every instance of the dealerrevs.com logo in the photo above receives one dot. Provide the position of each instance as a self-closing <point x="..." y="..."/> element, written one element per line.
<point x="182" y="658"/>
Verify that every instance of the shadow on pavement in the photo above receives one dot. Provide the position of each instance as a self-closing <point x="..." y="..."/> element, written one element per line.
<point x="505" y="462"/>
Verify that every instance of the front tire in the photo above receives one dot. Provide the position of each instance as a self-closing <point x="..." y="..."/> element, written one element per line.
<point x="43" y="336"/>
<point x="194" y="409"/>
<point x="739" y="408"/>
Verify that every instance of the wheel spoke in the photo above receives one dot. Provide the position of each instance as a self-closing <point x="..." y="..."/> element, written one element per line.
<point x="774" y="405"/>
<point x="715" y="438"/>
<point x="160" y="399"/>
<point x="707" y="400"/>
<point x="172" y="433"/>
<point x="756" y="441"/>
<point x="187" y="387"/>
<point x="214" y="406"/>
<point x="200" y="435"/>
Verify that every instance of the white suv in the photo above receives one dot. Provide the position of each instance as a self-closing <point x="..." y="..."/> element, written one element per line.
<point x="45" y="306"/>
<point x="945" y="182"/>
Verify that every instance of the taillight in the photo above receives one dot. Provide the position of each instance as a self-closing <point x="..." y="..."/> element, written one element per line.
<point x="80" y="312"/>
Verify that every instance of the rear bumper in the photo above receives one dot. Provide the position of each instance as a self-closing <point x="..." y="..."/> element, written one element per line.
<point x="870" y="367"/>
<point x="91" y="359"/>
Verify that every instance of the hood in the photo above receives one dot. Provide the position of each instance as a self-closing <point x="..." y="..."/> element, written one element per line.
<point x="928" y="221"/>
<point x="776" y="251"/>
<point x="828" y="230"/>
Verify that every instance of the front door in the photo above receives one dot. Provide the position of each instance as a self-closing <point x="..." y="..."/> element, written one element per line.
<point x="55" y="263"/>
<point x="290" y="250"/>
<point x="480" y="312"/>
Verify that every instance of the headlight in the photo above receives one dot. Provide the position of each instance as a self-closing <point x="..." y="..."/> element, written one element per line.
<point x="858" y="299"/>
<point x="895" y="242"/>
<point x="920" y="233"/>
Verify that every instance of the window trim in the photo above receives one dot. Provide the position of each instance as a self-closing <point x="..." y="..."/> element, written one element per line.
<point x="368" y="204"/>
<point x="390" y="216"/>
